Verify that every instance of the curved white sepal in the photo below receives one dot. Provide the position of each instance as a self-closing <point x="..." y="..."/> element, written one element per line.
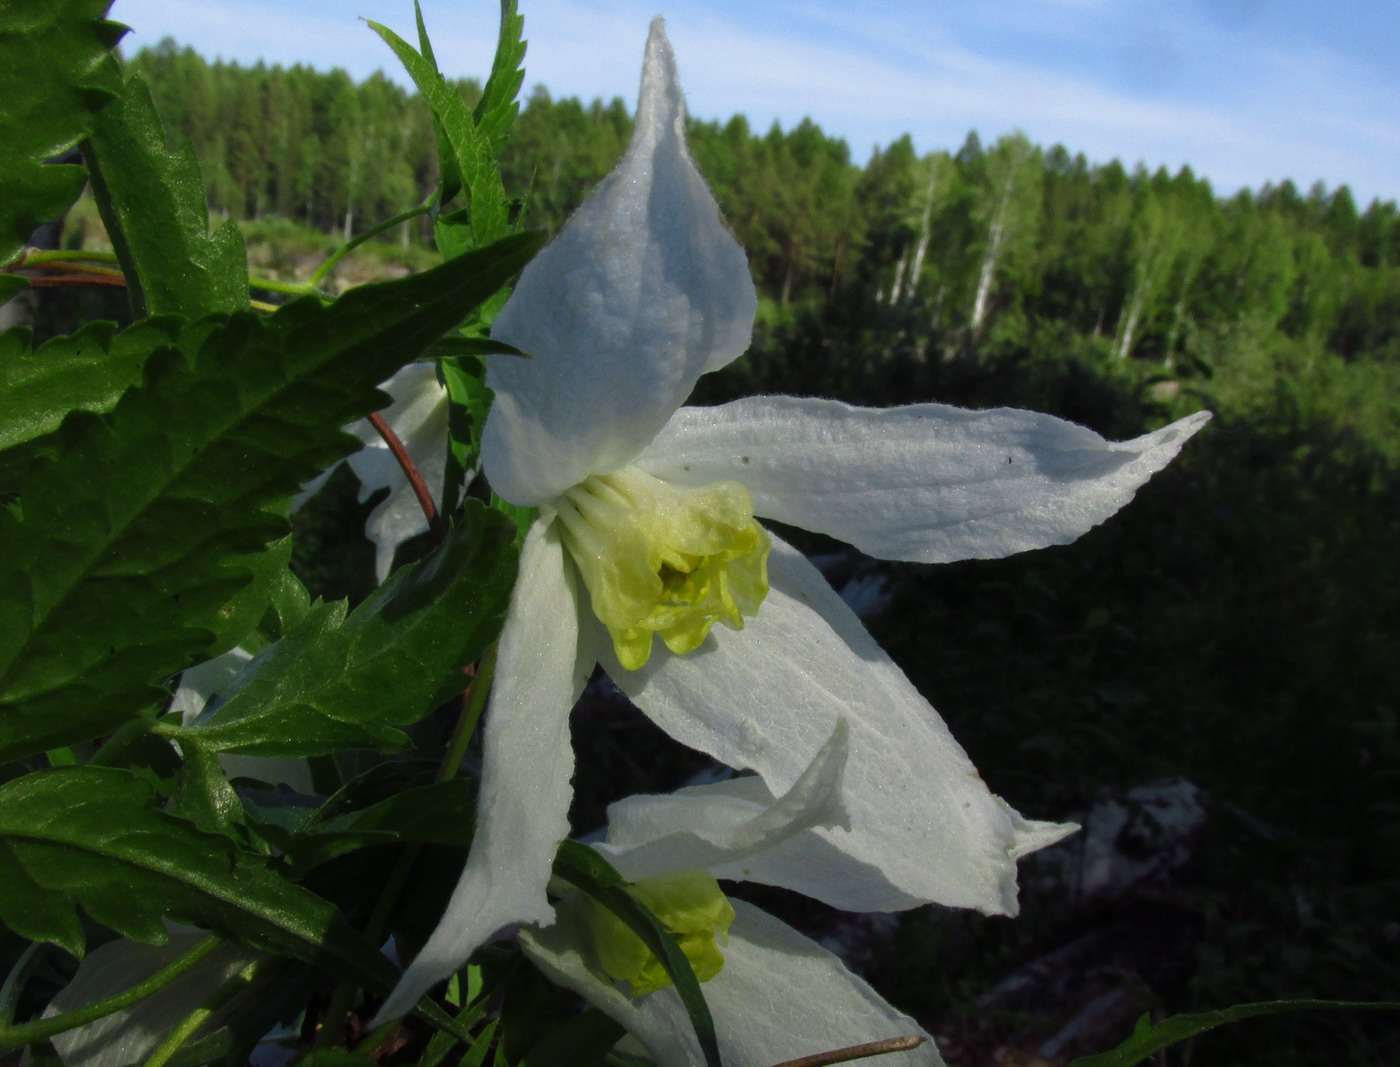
<point x="924" y="826"/>
<point x="643" y="290"/>
<point x="779" y="996"/>
<point x="926" y="483"/>
<point x="418" y="415"/>
<point x="652" y="836"/>
<point x="527" y="761"/>
<point x="132" y="1034"/>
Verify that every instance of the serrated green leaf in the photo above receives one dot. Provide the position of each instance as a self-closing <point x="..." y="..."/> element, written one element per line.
<point x="86" y="371"/>
<point x="116" y="575"/>
<point x="52" y="79"/>
<point x="1148" y="1037"/>
<point x="338" y="682"/>
<point x="585" y="869"/>
<point x="237" y="620"/>
<point x="496" y="110"/>
<point x="152" y="201"/>
<point x="471" y="154"/>
<point x="91" y="837"/>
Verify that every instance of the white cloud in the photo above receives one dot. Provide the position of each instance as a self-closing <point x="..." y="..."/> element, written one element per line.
<point x="1240" y="108"/>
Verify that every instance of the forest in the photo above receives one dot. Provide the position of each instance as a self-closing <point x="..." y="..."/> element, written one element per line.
<point x="1236" y="627"/>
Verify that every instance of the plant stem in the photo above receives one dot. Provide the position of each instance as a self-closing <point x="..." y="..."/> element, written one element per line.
<point x="42" y="1029"/>
<point x="403" y="216"/>
<point x="197" y="1018"/>
<point x="406" y="464"/>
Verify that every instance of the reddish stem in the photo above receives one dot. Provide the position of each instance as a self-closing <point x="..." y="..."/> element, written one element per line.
<point x="420" y="489"/>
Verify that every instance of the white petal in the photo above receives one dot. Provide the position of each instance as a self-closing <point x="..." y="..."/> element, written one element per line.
<point x="643" y="291"/>
<point x="925" y="482"/>
<point x="924" y="827"/>
<point x="527" y="761"/>
<point x="779" y="996"/>
<point x="418" y="415"/>
<point x="131" y="1035"/>
<point x="654" y="836"/>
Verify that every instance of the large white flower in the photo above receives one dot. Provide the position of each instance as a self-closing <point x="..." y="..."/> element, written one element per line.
<point x="778" y="994"/>
<point x="646" y="526"/>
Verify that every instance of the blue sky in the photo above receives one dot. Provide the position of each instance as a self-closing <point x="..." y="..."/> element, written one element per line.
<point x="1245" y="91"/>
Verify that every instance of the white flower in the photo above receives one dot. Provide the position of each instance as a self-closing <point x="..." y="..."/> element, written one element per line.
<point x="643" y="291"/>
<point x="779" y="995"/>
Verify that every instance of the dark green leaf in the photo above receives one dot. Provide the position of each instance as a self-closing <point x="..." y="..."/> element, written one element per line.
<point x="125" y="558"/>
<point x="1149" y="1038"/>
<point x="153" y="203"/>
<point x="11" y="285"/>
<point x="91" y="837"/>
<point x="583" y="1040"/>
<point x="339" y="682"/>
<point x="52" y="78"/>
<point x="87" y="371"/>
<point x="584" y="868"/>
<point x="439" y="813"/>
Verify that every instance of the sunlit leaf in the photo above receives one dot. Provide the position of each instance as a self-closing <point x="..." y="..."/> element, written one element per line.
<point x="124" y="560"/>
<point x="52" y="79"/>
<point x="153" y="203"/>
<point x="338" y="681"/>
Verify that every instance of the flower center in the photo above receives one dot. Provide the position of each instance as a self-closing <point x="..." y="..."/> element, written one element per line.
<point x="665" y="560"/>
<point x="691" y="905"/>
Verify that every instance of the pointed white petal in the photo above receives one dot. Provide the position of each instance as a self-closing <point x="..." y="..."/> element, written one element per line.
<point x="924" y="827"/>
<point x="131" y="1035"/>
<point x="527" y="760"/>
<point x="779" y="996"/>
<point x="643" y="291"/>
<point x="655" y="836"/>
<point x="925" y="482"/>
<point x="418" y="415"/>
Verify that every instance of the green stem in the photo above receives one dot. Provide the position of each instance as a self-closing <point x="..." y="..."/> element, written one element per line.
<point x="378" y="924"/>
<point x="471" y="715"/>
<point x="197" y="1018"/>
<point x="42" y="1029"/>
<point x="66" y="255"/>
<point x="39" y="256"/>
<point x="120" y="741"/>
<point x="403" y="216"/>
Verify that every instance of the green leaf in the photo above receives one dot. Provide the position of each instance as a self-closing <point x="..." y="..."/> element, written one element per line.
<point x="584" y="868"/>
<point x="52" y="78"/>
<point x="11" y="285"/>
<point x="124" y="561"/>
<point x="472" y="156"/>
<point x="91" y="837"/>
<point x="1149" y="1038"/>
<point x="338" y="682"/>
<point x="87" y="371"/>
<point x="496" y="110"/>
<point x="152" y="200"/>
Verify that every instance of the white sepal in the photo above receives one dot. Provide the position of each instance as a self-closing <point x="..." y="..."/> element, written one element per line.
<point x="643" y="291"/>
<point x="924" y="826"/>
<point x="527" y="762"/>
<point x="779" y="996"/>
<point x="926" y="483"/>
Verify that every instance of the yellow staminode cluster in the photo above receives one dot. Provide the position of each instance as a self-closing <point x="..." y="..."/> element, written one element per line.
<point x="691" y="905"/>
<point x="666" y="560"/>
